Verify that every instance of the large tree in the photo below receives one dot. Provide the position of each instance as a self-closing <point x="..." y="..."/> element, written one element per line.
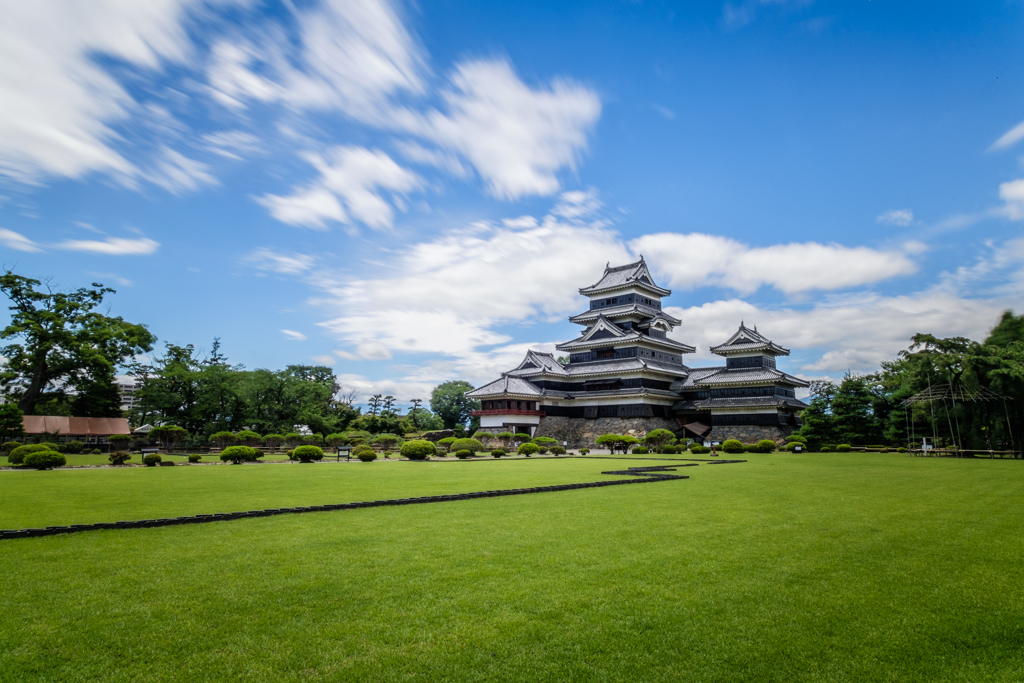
<point x="449" y="402"/>
<point x="60" y="341"/>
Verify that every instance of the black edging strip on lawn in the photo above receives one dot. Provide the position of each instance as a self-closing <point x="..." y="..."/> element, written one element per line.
<point x="645" y="475"/>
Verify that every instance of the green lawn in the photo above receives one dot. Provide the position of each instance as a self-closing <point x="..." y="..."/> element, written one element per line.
<point x="840" y="567"/>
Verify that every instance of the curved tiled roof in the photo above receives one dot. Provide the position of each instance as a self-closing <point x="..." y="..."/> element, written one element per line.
<point x="624" y="310"/>
<point x="630" y="275"/>
<point x="749" y="402"/>
<point x="507" y="385"/>
<point x="746" y="340"/>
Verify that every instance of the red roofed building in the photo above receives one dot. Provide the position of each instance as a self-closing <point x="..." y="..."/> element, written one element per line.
<point x="90" y="430"/>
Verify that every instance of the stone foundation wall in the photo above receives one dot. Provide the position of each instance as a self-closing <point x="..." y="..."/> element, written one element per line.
<point x="750" y="433"/>
<point x="580" y="432"/>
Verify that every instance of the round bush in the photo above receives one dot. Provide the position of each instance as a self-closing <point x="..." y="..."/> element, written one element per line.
<point x="793" y="445"/>
<point x="73" y="447"/>
<point x="239" y="454"/>
<point x="640" y="450"/>
<point x="44" y="460"/>
<point x="750" y="448"/>
<point x="542" y="451"/>
<point x="697" y="449"/>
<point x="670" y="450"/>
<point x="732" y="446"/>
<point x="290" y="454"/>
<point x="97" y="451"/>
<point x="901" y="449"/>
<point x="195" y="457"/>
<point x="796" y="437"/>
<point x="363" y="448"/>
<point x="528" y="449"/>
<point x="843" y="448"/>
<point x="584" y="451"/>
<point x="557" y="450"/>
<point x="765" y="446"/>
<point x="418" y="449"/>
<point x="367" y="456"/>
<point x="119" y="457"/>
<point x="463" y="454"/>
<point x="309" y="453"/>
<point x="9" y="446"/>
<point x="498" y="452"/>
<point x="446" y="442"/>
<point x="466" y="445"/>
<point x="826" y="449"/>
<point x="18" y="455"/>
<point x="152" y="460"/>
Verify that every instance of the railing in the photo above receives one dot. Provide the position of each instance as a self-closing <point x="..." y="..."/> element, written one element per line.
<point x="502" y="411"/>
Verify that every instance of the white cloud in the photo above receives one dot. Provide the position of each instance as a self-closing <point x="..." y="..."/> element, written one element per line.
<point x="854" y="332"/>
<point x="325" y="359"/>
<point x="902" y="217"/>
<point x="177" y="174"/>
<point x="1013" y="194"/>
<point x="113" y="246"/>
<point x="738" y="15"/>
<point x="17" y="241"/>
<point x="349" y="176"/>
<point x="59" y="103"/>
<point x="281" y="262"/>
<point x="233" y="144"/>
<point x="1009" y="138"/>
<point x="516" y="137"/>
<point x="694" y="260"/>
<point x="351" y="55"/>
<point x="293" y="335"/>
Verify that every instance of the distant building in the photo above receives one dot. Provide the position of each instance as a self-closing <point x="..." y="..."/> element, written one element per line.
<point x="625" y="375"/>
<point x="128" y="386"/>
<point x="91" y="430"/>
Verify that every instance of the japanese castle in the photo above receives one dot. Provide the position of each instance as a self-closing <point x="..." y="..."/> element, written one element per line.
<point x="625" y="375"/>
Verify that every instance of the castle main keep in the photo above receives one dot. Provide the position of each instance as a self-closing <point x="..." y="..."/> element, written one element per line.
<point x="625" y="375"/>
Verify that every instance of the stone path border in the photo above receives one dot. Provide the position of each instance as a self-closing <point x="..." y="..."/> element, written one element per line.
<point x="644" y="475"/>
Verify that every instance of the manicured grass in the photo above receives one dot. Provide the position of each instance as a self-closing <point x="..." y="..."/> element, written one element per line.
<point x="873" y="567"/>
<point x="103" y="458"/>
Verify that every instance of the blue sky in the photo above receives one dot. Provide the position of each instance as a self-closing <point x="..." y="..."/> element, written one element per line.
<point x="413" y="193"/>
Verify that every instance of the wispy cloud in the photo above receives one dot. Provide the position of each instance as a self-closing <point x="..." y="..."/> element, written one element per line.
<point x="1009" y="138"/>
<point x="113" y="246"/>
<point x="281" y="262"/>
<point x="17" y="241"/>
<point x="902" y="217"/>
<point x="293" y="335"/>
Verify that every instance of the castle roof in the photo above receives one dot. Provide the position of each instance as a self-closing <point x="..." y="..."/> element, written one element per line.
<point x="745" y="340"/>
<point x="507" y="384"/>
<point x="703" y="378"/>
<point x="604" y="332"/>
<point x="612" y="312"/>
<point x="630" y="275"/>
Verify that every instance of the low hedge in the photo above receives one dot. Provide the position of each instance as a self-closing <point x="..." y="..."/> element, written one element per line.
<point x="557" y="450"/>
<point x="152" y="460"/>
<point x="528" y="449"/>
<point x="699" y="450"/>
<point x="796" y="437"/>
<point x="793" y="445"/>
<point x="309" y="453"/>
<point x="239" y="454"/>
<point x="498" y="452"/>
<point x="732" y="446"/>
<point x="418" y="449"/>
<point x="843" y="448"/>
<point x="18" y="455"/>
<point x="195" y="457"/>
<point x="463" y="454"/>
<point x="466" y="445"/>
<point x="901" y="449"/>
<point x="119" y="457"/>
<point x="640" y="450"/>
<point x="74" y="447"/>
<point x="363" y="448"/>
<point x="45" y="460"/>
<point x="584" y="451"/>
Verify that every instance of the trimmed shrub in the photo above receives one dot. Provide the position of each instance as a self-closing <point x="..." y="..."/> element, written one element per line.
<point x="119" y="441"/>
<point x="446" y="443"/>
<point x="750" y="448"/>
<point x="466" y="445"/>
<point x="528" y="449"/>
<point x="542" y="451"/>
<point x="584" y="451"/>
<point x="670" y="450"/>
<point x="519" y="436"/>
<point x="901" y="449"/>
<point x="545" y="441"/>
<point x="9" y="446"/>
<point x="18" y="455"/>
<point x="698" y="449"/>
<point x="239" y="454"/>
<point x="387" y="441"/>
<point x="97" y="451"/>
<point x="498" y="452"/>
<point x="290" y="454"/>
<point x="418" y="449"/>
<point x="309" y="453"/>
<point x="796" y="437"/>
<point x="313" y="440"/>
<point x="74" y="447"/>
<point x="273" y="441"/>
<point x="557" y="450"/>
<point x="293" y="439"/>
<point x="249" y="438"/>
<point x="640" y="450"/>
<point x="45" y="460"/>
<point x="195" y="457"/>
<point x="884" y="449"/>
<point x="826" y="449"/>
<point x="765" y="446"/>
<point x="463" y="454"/>
<point x="362" y="448"/>
<point x="223" y="439"/>
<point x="843" y="448"/>
<point x="367" y="456"/>
<point x="793" y="445"/>
<point x="732" y="446"/>
<point x="151" y="460"/>
<point x="119" y="457"/>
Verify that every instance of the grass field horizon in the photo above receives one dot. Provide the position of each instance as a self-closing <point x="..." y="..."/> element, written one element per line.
<point x="787" y="567"/>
